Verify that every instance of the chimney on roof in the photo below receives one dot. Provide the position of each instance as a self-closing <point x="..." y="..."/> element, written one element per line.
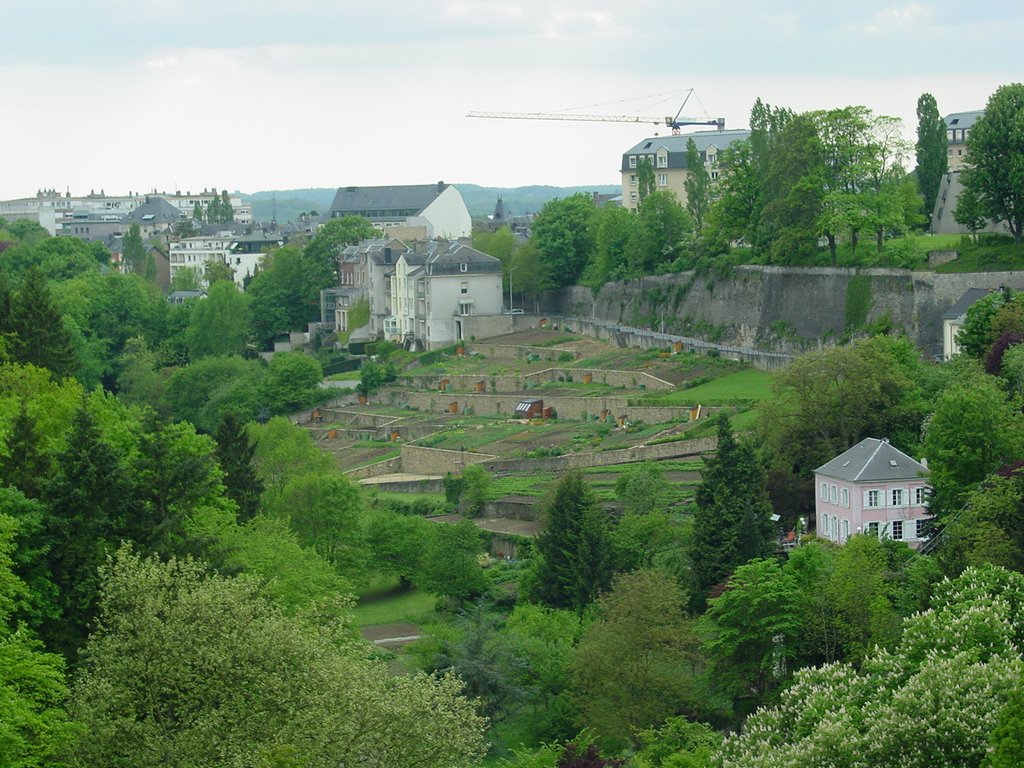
<point x="440" y="187"/>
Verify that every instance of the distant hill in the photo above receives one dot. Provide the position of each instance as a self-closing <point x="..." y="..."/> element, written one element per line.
<point x="287" y="204"/>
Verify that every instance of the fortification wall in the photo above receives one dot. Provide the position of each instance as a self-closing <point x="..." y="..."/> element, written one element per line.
<point x="779" y="309"/>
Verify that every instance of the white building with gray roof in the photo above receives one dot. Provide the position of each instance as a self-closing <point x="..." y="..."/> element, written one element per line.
<point x="437" y="288"/>
<point x="411" y="211"/>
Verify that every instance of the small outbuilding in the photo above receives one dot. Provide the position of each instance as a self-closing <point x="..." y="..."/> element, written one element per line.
<point x="530" y="408"/>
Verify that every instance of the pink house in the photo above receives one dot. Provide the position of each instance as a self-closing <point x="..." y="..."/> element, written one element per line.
<point x="872" y="488"/>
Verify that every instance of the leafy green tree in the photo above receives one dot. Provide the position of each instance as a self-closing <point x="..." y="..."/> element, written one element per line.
<point x="133" y="251"/>
<point x="1013" y="369"/>
<point x="294" y="578"/>
<point x="563" y="237"/>
<point x="396" y="545"/>
<point x="661" y="225"/>
<point x="373" y="376"/>
<point x="678" y="743"/>
<point x="285" y="451"/>
<point x="187" y="669"/>
<point x="326" y="512"/>
<point x="829" y="400"/>
<point x="178" y="478"/>
<point x="292" y="382"/>
<point x="751" y="630"/>
<point x="732" y="215"/>
<point x="200" y="392"/>
<point x="321" y="253"/>
<point x="197" y="212"/>
<point x="235" y="453"/>
<point x="573" y="562"/>
<point x="794" y="193"/>
<point x="1007" y="739"/>
<point x="859" y="590"/>
<point x="476" y="486"/>
<point x="501" y="244"/>
<point x="186" y="279"/>
<point x="451" y="565"/>
<point x="968" y="212"/>
<point x="219" y="323"/>
<point x="34" y="727"/>
<point x="138" y="382"/>
<point x="218" y="272"/>
<point x="284" y="298"/>
<point x="932" y="159"/>
<point x="955" y="667"/>
<point x="543" y="639"/>
<point x="38" y="335"/>
<point x="484" y="661"/>
<point x="227" y="211"/>
<point x="973" y="431"/>
<point x="990" y="527"/>
<point x="731" y="524"/>
<point x="994" y="170"/>
<point x="636" y="663"/>
<point x="37" y="600"/>
<point x="645" y="179"/>
<point x="534" y="275"/>
<point x="642" y="488"/>
<point x="613" y="233"/>
<point x="984" y="321"/>
<point x="698" y="187"/>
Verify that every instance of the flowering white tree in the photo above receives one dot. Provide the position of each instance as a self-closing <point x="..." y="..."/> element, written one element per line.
<point x="931" y="703"/>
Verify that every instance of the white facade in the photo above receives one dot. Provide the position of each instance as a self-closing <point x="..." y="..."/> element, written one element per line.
<point x="196" y="252"/>
<point x="186" y="203"/>
<point x="446" y="217"/>
<point x="432" y="293"/>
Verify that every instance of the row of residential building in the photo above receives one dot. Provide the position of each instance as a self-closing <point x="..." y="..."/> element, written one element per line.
<point x="425" y="294"/>
<point x="98" y="215"/>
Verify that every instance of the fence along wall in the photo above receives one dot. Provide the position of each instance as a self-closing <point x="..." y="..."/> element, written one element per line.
<point x="577" y="408"/>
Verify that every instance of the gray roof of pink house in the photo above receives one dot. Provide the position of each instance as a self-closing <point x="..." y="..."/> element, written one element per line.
<point x="873" y="461"/>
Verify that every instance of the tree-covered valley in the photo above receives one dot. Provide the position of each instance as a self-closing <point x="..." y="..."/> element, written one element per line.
<point x="184" y="572"/>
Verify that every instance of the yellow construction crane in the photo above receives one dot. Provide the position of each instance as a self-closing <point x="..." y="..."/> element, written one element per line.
<point x="675" y="123"/>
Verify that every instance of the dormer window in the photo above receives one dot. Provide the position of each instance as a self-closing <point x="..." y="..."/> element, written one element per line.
<point x="632" y="161"/>
<point x="463" y="267"/>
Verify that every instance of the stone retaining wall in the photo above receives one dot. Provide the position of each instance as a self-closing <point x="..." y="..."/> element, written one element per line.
<point x="577" y="408"/>
<point x="781" y="309"/>
<point x="387" y="467"/>
<point x="674" y="450"/>
<point x="417" y="460"/>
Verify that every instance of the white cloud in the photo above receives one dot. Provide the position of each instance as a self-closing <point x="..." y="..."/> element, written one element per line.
<point x="482" y="10"/>
<point x="899" y="17"/>
<point x="563" y="24"/>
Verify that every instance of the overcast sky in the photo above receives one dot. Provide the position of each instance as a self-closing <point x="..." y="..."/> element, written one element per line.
<point x="129" y="95"/>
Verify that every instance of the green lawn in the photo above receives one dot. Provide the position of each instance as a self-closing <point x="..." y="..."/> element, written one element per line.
<point x="749" y="384"/>
<point x="383" y="602"/>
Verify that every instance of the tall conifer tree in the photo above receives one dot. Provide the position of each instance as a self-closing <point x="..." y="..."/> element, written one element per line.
<point x="235" y="450"/>
<point x="732" y="523"/>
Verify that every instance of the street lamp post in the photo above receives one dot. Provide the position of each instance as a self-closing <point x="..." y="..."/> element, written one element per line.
<point x="510" y="271"/>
